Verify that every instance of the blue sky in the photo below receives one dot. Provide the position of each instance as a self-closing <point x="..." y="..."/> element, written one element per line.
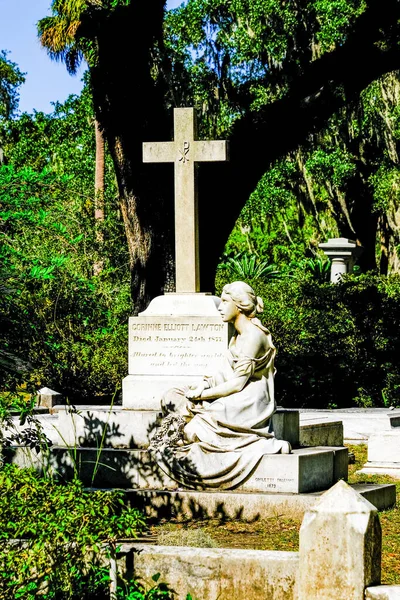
<point x="46" y="80"/>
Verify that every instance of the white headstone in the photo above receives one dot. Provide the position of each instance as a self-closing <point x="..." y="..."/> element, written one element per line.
<point x="177" y="340"/>
<point x="340" y="547"/>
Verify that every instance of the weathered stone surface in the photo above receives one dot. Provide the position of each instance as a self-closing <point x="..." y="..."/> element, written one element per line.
<point x="340" y="547"/>
<point x="226" y="574"/>
<point x="48" y="422"/>
<point x="186" y="504"/>
<point x="385" y="447"/>
<point x="382" y="496"/>
<point x="329" y="433"/>
<point x="176" y="345"/>
<point x="394" y="419"/>
<point x="340" y="461"/>
<point x="118" y="468"/>
<point x="383" y="592"/>
<point x="384" y="454"/>
<point x="47" y="398"/>
<point x="285" y="423"/>
<point x="358" y="424"/>
<point x="120" y="427"/>
<point x="300" y="472"/>
<point x="113" y="428"/>
<point x="381" y="468"/>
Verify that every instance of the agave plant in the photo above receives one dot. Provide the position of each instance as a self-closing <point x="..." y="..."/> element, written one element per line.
<point x="245" y="265"/>
<point x="319" y="267"/>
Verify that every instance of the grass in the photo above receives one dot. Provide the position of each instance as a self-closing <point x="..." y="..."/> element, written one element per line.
<point x="280" y="533"/>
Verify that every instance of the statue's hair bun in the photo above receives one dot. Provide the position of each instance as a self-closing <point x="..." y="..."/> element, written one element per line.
<point x="260" y="305"/>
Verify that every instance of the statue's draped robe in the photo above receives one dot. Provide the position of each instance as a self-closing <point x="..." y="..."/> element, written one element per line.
<point x="224" y="439"/>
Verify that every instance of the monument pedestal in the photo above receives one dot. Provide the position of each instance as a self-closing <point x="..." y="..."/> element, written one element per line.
<point x="177" y="340"/>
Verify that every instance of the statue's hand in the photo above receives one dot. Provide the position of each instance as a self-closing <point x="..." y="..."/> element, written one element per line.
<point x="195" y="393"/>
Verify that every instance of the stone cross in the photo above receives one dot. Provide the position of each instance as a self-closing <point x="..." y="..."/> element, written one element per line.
<point x="184" y="152"/>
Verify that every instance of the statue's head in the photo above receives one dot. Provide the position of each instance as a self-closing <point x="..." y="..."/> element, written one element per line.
<point x="244" y="297"/>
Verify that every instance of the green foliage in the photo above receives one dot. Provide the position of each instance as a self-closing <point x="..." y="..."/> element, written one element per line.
<point x="318" y="267"/>
<point x="273" y="192"/>
<point x="335" y="17"/>
<point x="64" y="324"/>
<point x="336" y="344"/>
<point x="336" y="166"/>
<point x="236" y="58"/>
<point x="244" y="53"/>
<point x="136" y="590"/>
<point x="65" y="533"/>
<point x="243" y="266"/>
<point x="10" y="80"/>
<point x="385" y="183"/>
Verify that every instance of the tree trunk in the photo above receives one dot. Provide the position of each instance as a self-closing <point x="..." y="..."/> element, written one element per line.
<point x="99" y="184"/>
<point x="129" y="106"/>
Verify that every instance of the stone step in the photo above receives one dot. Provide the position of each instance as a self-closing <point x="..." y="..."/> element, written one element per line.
<point x="358" y="423"/>
<point x="236" y="505"/>
<point x="99" y="426"/>
<point x="305" y="470"/>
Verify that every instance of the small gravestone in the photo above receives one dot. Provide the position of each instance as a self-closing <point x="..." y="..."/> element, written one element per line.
<point x="384" y="449"/>
<point x="47" y="398"/>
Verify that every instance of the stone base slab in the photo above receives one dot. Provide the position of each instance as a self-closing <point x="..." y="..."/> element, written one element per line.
<point x="299" y="472"/>
<point x="109" y="428"/>
<point x="381" y="468"/>
<point x="384" y="454"/>
<point x="120" y="427"/>
<point x="385" y="447"/>
<point x="305" y="470"/>
<point x="115" y="469"/>
<point x="223" y="573"/>
<point x="235" y="505"/>
<point x="358" y="425"/>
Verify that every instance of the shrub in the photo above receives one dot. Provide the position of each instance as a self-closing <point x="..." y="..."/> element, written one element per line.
<point x="62" y="325"/>
<point x="337" y="345"/>
<point x="61" y="535"/>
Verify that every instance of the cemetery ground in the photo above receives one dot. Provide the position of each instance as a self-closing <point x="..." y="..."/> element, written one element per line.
<point x="282" y="533"/>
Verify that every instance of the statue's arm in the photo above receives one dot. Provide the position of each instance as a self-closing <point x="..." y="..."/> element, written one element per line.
<point x="251" y="346"/>
<point x="231" y="386"/>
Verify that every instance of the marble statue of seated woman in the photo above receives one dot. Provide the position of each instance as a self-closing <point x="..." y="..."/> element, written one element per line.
<point x="214" y="434"/>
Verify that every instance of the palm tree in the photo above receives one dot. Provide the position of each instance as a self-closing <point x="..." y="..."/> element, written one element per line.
<point x="121" y="40"/>
<point x="61" y="35"/>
